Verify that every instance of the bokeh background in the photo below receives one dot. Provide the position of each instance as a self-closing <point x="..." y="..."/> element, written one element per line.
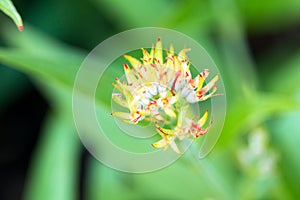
<point x="255" y="44"/>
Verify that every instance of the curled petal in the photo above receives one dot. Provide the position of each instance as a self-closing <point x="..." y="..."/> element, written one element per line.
<point x="202" y="131"/>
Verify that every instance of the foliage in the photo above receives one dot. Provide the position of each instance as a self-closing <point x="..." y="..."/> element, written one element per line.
<point x="263" y="104"/>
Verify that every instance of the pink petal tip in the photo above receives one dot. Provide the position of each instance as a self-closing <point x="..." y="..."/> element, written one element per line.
<point x="21" y="28"/>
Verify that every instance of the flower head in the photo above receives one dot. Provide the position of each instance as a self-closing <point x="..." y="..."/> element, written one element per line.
<point x="161" y="90"/>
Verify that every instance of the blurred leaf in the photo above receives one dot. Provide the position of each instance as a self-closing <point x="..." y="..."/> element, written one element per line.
<point x="235" y="62"/>
<point x="54" y="169"/>
<point x="13" y="84"/>
<point x="41" y="56"/>
<point x="269" y="15"/>
<point x="48" y="60"/>
<point x="105" y="183"/>
<point x="285" y="136"/>
<point x="137" y="13"/>
<point x="252" y="111"/>
<point x="284" y="76"/>
<point x="187" y="178"/>
<point x="9" y="9"/>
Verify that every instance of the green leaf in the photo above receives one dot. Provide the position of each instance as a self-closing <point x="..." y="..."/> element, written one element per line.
<point x="252" y="111"/>
<point x="137" y="12"/>
<point x="53" y="173"/>
<point x="283" y="75"/>
<point x="187" y="178"/>
<point x="13" y="85"/>
<point x="269" y="15"/>
<point x="235" y="63"/>
<point x="9" y="9"/>
<point x="285" y="136"/>
<point x="49" y="61"/>
<point x="105" y="183"/>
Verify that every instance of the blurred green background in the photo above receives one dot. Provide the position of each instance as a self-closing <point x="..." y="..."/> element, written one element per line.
<point x="255" y="44"/>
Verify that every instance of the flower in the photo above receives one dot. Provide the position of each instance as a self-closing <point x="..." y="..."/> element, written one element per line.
<point x="162" y="90"/>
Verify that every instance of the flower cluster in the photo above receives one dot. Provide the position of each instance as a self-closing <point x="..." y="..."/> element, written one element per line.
<point x="161" y="90"/>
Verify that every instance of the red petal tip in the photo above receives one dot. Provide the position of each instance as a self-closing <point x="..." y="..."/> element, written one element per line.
<point x="21" y="28"/>
<point x="126" y="66"/>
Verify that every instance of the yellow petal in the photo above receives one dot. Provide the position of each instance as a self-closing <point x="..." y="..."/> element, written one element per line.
<point x="119" y="100"/>
<point x="170" y="112"/>
<point x="124" y="90"/>
<point x="119" y="86"/>
<point x="122" y="115"/>
<point x="160" y="144"/>
<point x="148" y="58"/>
<point x="203" y="98"/>
<point x="170" y="53"/>
<point x="131" y="78"/>
<point x="135" y="63"/>
<point x="201" y="77"/>
<point x="200" y="94"/>
<point x="182" y="54"/>
<point x="203" y="119"/>
<point x="177" y="65"/>
<point x="136" y="117"/>
<point x="163" y="132"/>
<point x="127" y="121"/>
<point x="158" y="54"/>
<point x="211" y="83"/>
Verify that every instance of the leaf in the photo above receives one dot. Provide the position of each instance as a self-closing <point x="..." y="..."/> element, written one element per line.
<point x="137" y="12"/>
<point x="105" y="183"/>
<point x="235" y="62"/>
<point x="53" y="173"/>
<point x="187" y="178"/>
<point x="269" y="15"/>
<point x="13" y="85"/>
<point x="284" y="76"/>
<point x="50" y="61"/>
<point x="252" y="111"/>
<point x="9" y="9"/>
<point x="286" y="138"/>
